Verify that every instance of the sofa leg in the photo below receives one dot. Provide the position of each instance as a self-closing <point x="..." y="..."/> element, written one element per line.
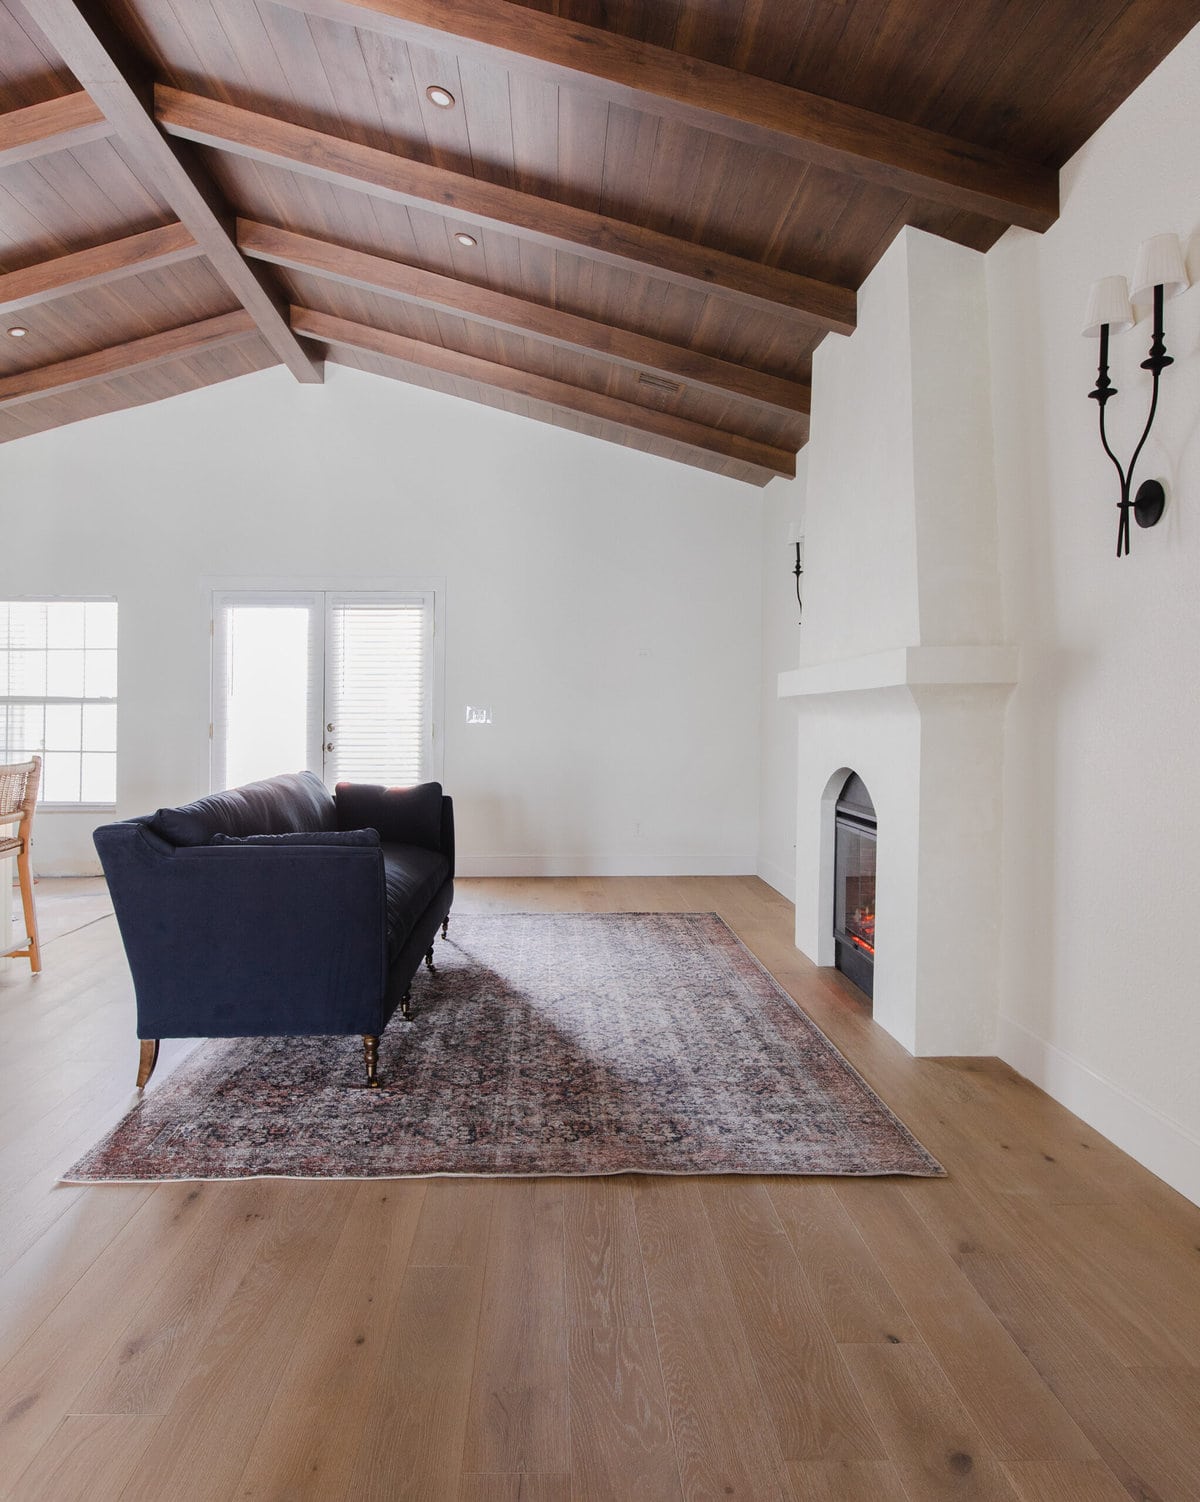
<point x="406" y="1005"/>
<point x="371" y="1055"/>
<point x="147" y="1059"/>
<point x="429" y="958"/>
<point x="445" y="924"/>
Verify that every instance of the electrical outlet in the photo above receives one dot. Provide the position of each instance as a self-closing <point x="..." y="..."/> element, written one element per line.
<point x="478" y="716"/>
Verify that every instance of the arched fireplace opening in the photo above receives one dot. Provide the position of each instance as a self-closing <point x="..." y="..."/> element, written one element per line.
<point x="855" y="829"/>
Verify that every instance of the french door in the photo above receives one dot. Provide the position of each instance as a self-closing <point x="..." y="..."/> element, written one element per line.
<point x="338" y="681"/>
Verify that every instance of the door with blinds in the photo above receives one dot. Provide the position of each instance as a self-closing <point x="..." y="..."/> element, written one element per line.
<point x="339" y="681"/>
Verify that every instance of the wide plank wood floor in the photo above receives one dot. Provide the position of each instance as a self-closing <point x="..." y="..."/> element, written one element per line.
<point x="1026" y="1329"/>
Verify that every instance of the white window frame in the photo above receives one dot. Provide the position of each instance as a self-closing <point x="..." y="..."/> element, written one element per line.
<point x="58" y="807"/>
<point x="308" y="591"/>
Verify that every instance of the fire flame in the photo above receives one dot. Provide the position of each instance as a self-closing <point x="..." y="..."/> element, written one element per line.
<point x="865" y="922"/>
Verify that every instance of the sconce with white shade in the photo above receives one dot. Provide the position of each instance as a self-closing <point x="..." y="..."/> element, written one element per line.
<point x="796" y="540"/>
<point x="1159" y="272"/>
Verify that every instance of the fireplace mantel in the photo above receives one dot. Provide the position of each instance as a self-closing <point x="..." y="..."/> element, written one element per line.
<point x="904" y="667"/>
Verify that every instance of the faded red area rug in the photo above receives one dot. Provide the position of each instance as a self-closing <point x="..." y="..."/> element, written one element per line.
<point x="557" y="1043"/>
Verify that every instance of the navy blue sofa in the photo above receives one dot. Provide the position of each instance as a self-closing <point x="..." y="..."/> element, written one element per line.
<point x="280" y="909"/>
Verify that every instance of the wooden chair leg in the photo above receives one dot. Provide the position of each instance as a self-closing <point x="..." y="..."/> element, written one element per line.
<point x="371" y="1055"/>
<point x="146" y="1061"/>
<point x="25" y="876"/>
<point x="445" y="924"/>
<point x="429" y="958"/>
<point x="406" y="1005"/>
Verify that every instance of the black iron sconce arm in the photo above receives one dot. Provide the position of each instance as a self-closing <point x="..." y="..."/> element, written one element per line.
<point x="795" y="539"/>
<point x="1161" y="272"/>
<point x="799" y="573"/>
<point x="1147" y="505"/>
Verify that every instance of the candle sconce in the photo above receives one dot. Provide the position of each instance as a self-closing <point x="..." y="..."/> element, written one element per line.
<point x="1160" y="271"/>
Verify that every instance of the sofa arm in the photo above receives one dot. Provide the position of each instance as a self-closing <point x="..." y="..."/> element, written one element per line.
<point x="403" y="816"/>
<point x="448" y="831"/>
<point x="234" y="940"/>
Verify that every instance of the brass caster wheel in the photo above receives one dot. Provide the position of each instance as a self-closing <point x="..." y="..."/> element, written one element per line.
<point x="147" y="1059"/>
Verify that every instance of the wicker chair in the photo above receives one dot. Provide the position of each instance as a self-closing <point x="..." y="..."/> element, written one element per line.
<point x="18" y="794"/>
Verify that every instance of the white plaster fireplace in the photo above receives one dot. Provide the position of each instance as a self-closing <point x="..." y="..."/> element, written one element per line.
<point x="923" y="728"/>
<point x="904" y="673"/>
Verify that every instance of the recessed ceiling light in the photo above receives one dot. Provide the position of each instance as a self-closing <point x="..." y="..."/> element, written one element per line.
<point x="443" y="98"/>
<point x="464" y="239"/>
<point x="17" y="332"/>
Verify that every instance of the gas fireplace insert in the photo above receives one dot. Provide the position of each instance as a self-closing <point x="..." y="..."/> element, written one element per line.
<point x="854" y="884"/>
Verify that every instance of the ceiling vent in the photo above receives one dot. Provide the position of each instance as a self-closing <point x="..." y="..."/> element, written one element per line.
<point x="659" y="383"/>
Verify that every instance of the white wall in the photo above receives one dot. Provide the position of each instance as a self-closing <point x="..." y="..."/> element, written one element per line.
<point x="1100" y="999"/>
<point x="604" y="603"/>
<point x="783" y="505"/>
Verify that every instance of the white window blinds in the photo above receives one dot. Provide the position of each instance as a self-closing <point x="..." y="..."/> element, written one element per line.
<point x="267" y="672"/>
<point x="377" y="689"/>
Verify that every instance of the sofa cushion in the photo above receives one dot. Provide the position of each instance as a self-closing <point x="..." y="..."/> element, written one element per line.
<point x="302" y="837"/>
<point x="403" y="816"/>
<point x="413" y="878"/>
<point x="280" y="805"/>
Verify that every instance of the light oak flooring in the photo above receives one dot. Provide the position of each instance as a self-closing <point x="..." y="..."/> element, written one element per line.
<point x="1026" y="1329"/>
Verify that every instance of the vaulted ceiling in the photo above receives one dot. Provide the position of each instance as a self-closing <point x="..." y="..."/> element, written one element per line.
<point x="637" y="218"/>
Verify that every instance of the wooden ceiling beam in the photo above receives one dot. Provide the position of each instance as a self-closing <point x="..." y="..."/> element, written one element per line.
<point x="125" y="359"/>
<point x="561" y="226"/>
<point x="756" y="111"/>
<point x="379" y="274"/>
<point x="768" y="461"/>
<point x="150" y="250"/>
<point x="84" y="37"/>
<point x="55" y="125"/>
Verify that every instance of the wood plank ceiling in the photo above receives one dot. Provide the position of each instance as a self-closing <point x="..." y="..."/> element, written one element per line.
<point x="668" y="203"/>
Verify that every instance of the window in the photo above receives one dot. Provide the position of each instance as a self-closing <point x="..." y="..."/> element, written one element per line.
<point x="341" y="682"/>
<point x="58" y="694"/>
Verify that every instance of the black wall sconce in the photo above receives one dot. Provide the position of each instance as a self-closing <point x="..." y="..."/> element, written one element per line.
<point x="796" y="540"/>
<point x="1159" y="272"/>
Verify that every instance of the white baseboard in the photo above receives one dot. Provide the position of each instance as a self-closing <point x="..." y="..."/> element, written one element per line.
<point x="1159" y="1144"/>
<point x="604" y="865"/>
<point x="555" y="865"/>
<point x="779" y="877"/>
